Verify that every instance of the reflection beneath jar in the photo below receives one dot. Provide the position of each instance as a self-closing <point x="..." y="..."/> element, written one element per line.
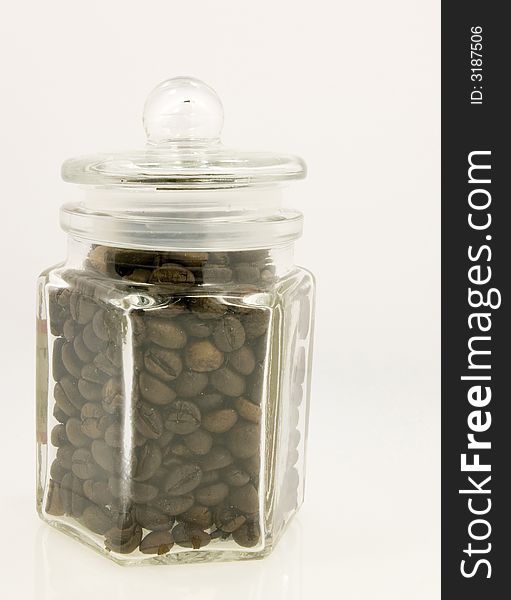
<point x="65" y="569"/>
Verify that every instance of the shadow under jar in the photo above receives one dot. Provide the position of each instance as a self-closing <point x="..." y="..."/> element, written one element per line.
<point x="174" y="347"/>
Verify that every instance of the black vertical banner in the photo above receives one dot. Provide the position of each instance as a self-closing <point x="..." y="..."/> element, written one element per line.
<point x="476" y="354"/>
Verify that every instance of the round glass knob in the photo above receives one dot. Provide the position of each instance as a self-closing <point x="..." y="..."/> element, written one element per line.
<point x="183" y="109"/>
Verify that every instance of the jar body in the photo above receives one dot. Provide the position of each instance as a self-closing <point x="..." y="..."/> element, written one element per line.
<point x="172" y="400"/>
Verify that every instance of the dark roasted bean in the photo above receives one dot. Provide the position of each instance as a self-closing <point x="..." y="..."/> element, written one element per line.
<point x="163" y="364"/>
<point x="182" y="479"/>
<point x="154" y="390"/>
<point x="190" y="384"/>
<point x="183" y="417"/>
<point x="213" y="494"/>
<point x="243" y="440"/>
<point x="228" y="382"/>
<point x="173" y="505"/>
<point x="148" y="421"/>
<point x="248" y="535"/>
<point x="157" y="542"/>
<point x="245" y="498"/>
<point x="217" y="458"/>
<point x="166" y="333"/>
<point x="229" y="334"/>
<point x="203" y="356"/>
<point x="189" y="535"/>
<point x="220" y="421"/>
<point x="153" y="519"/>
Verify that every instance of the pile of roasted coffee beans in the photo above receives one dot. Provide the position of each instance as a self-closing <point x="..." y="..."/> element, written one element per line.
<point x="158" y="370"/>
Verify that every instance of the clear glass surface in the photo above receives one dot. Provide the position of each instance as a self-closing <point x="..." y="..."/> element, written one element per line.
<point x="172" y="400"/>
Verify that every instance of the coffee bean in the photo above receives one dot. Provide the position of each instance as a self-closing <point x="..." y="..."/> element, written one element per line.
<point x="149" y="461"/>
<point x="97" y="492"/>
<point x="183" y="417"/>
<point x="195" y="327"/>
<point x="234" y="476"/>
<point x="70" y="360"/>
<point x="217" y="458"/>
<point x="245" y="498"/>
<point x="82" y="308"/>
<point x="124" y="546"/>
<point x="190" y="384"/>
<point x="57" y="471"/>
<point x="252" y="466"/>
<point x="114" y="435"/>
<point x="212" y="495"/>
<point x="154" y="390"/>
<point x="255" y="323"/>
<point x="112" y="396"/>
<point x="100" y="325"/>
<point x="207" y="402"/>
<point x="201" y="516"/>
<point x="242" y="360"/>
<point x="100" y="259"/>
<point x="166" y="333"/>
<point x="182" y="479"/>
<point x="58" y="435"/>
<point x="260" y="346"/>
<point x="219" y="421"/>
<point x="208" y="308"/>
<point x="93" y="374"/>
<point x="90" y="391"/>
<point x="64" y="457"/>
<point x="84" y="466"/>
<point x="228" y="382"/>
<point x="229" y="334"/>
<point x="157" y="542"/>
<point x="189" y="535"/>
<point x="74" y="433"/>
<point x="172" y="273"/>
<point x="163" y="364"/>
<point x="104" y="363"/>
<point x="83" y="354"/>
<point x="248" y="535"/>
<point x="58" y="309"/>
<point x="228" y="519"/>
<point x="203" y="356"/>
<point x="91" y="340"/>
<point x="152" y="519"/>
<point x="178" y="449"/>
<point x="215" y="274"/>
<point x="256" y="385"/>
<point x="70" y="389"/>
<point x="59" y="414"/>
<point x="53" y="502"/>
<point x="173" y="505"/>
<point x="72" y="496"/>
<point x="199" y="442"/>
<point x="58" y="368"/>
<point x="209" y="477"/>
<point x="140" y="493"/>
<point x="148" y="421"/>
<point x="243" y="440"/>
<point x="93" y="422"/>
<point x="63" y="402"/>
<point x="248" y="410"/>
<point x="103" y="455"/>
<point x="247" y="273"/>
<point x="96" y="519"/>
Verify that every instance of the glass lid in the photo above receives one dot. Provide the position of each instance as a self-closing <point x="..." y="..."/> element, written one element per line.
<point x="183" y="120"/>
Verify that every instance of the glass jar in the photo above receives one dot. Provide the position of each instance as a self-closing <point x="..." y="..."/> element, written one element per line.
<point x="174" y="346"/>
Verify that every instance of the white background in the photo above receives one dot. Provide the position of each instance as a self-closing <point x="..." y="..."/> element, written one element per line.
<point x="354" y="88"/>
